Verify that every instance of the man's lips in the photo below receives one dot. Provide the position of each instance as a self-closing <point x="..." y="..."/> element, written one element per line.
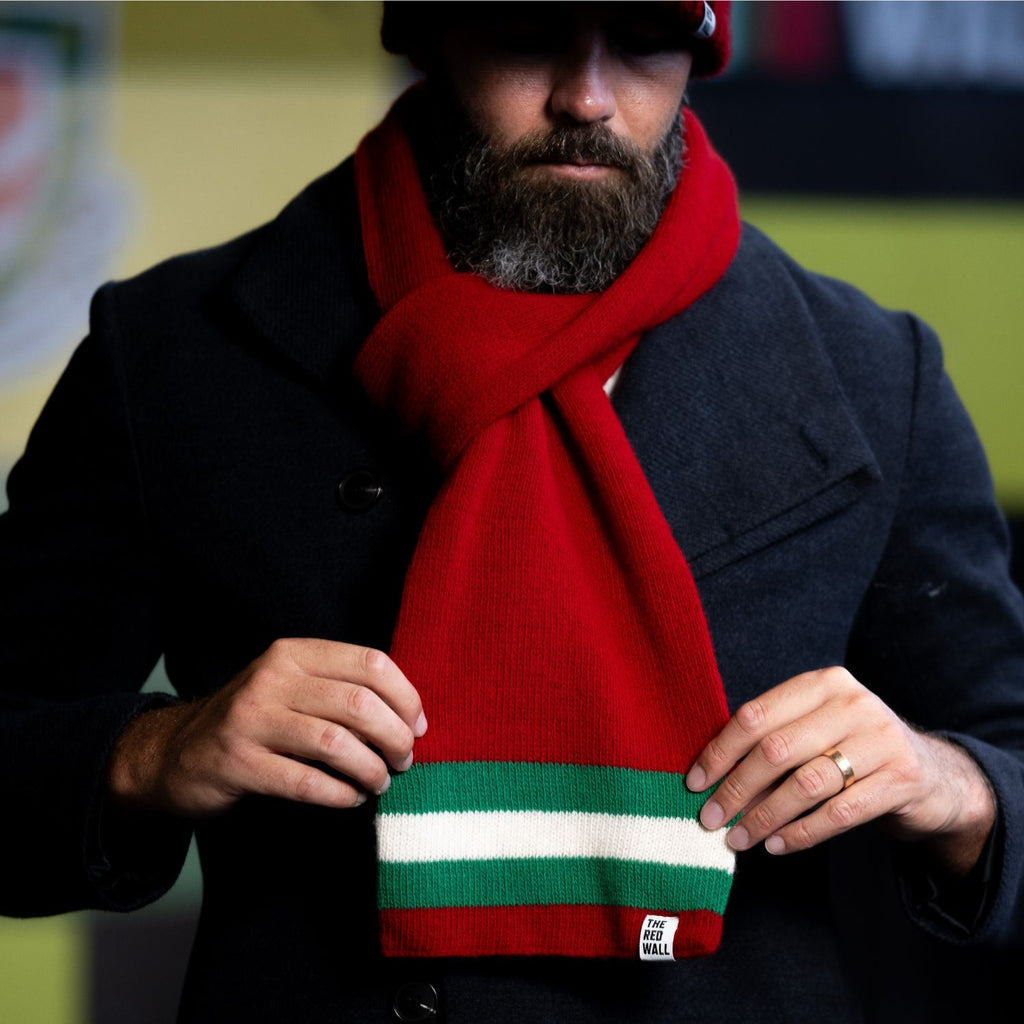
<point x="573" y="168"/>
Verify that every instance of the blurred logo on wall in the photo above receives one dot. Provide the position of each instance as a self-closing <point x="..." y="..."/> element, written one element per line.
<point x="63" y="205"/>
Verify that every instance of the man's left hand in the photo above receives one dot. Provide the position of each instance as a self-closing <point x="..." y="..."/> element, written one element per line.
<point x="773" y="762"/>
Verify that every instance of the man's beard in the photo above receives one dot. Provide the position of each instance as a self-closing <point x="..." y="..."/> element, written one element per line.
<point x="537" y="232"/>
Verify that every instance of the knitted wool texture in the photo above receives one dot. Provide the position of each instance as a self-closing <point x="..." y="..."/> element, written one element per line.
<point x="549" y="620"/>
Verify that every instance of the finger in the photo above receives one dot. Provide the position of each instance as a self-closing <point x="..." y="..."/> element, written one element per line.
<point x="762" y="796"/>
<point x="359" y="710"/>
<point x="773" y="757"/>
<point x="790" y="700"/>
<point x="272" y="774"/>
<point x="364" y="665"/>
<point x="331" y="744"/>
<point x="865" y="800"/>
<point x="809" y="786"/>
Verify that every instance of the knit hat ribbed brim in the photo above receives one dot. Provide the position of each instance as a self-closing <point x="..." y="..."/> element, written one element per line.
<point x="410" y="26"/>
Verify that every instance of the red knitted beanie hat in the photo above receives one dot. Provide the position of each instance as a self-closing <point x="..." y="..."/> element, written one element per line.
<point x="410" y="27"/>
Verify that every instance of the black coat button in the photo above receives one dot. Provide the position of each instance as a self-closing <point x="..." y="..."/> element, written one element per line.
<point x="359" y="490"/>
<point x="415" y="1001"/>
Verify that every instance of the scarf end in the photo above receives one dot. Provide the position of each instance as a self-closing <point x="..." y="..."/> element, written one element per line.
<point x="569" y="931"/>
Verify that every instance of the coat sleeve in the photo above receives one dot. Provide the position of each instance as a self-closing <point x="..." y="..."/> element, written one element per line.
<point x="78" y="615"/>
<point x="942" y="627"/>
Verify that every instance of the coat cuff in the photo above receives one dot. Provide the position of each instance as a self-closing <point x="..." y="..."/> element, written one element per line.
<point x="947" y="906"/>
<point x="981" y="907"/>
<point x="132" y="859"/>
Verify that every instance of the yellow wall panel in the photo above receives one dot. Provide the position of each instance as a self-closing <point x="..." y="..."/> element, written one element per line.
<point x="42" y="971"/>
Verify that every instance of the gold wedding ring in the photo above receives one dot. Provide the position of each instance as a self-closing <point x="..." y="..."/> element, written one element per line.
<point x="843" y="765"/>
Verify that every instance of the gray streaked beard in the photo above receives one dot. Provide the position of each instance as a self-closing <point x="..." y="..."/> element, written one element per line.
<point x="546" y="234"/>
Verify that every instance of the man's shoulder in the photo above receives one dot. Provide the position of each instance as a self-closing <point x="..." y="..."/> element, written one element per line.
<point x="778" y="354"/>
<point x="767" y="279"/>
<point x="769" y="301"/>
<point x="177" y="286"/>
<point x="310" y="229"/>
<point x="769" y="284"/>
<point x="779" y="396"/>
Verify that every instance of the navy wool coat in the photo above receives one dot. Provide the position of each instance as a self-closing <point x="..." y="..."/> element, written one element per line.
<point x="180" y="496"/>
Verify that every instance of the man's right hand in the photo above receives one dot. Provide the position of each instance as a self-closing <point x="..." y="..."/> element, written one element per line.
<point x="347" y="707"/>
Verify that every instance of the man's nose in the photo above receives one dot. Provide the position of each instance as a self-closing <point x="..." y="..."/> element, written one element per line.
<point x="583" y="89"/>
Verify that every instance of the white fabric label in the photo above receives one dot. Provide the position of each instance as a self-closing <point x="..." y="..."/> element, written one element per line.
<point x="656" y="937"/>
<point x="706" y="29"/>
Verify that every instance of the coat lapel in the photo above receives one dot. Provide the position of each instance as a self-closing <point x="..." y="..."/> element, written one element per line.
<point x="737" y="417"/>
<point x="304" y="285"/>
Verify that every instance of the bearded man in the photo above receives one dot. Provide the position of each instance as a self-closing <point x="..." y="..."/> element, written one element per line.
<point x="649" y="633"/>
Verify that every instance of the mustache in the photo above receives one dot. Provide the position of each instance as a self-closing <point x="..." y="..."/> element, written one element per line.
<point x="582" y="144"/>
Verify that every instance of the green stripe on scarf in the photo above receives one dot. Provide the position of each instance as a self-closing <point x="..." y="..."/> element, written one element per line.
<point x="501" y="785"/>
<point x="548" y="881"/>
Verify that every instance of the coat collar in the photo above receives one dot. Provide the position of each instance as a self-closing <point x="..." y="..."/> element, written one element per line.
<point x="733" y="408"/>
<point x="304" y="285"/>
<point x="737" y="416"/>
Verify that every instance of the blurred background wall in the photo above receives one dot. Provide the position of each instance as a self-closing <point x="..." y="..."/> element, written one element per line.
<point x="882" y="143"/>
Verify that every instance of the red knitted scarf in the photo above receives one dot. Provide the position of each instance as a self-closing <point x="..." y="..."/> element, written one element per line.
<point x="549" y="620"/>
